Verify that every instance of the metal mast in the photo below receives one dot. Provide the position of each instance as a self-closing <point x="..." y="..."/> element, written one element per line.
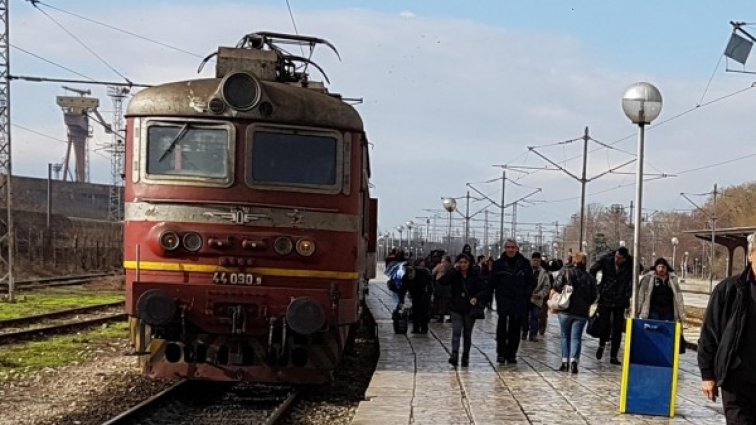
<point x="7" y="241"/>
<point x="117" y="150"/>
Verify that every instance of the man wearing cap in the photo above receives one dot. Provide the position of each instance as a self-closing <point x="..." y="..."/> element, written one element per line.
<point x="727" y="346"/>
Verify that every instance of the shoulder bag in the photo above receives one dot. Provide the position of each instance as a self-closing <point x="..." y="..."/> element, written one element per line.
<point x="561" y="300"/>
<point x="477" y="311"/>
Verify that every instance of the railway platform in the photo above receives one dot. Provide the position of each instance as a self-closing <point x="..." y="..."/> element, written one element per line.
<point x="414" y="384"/>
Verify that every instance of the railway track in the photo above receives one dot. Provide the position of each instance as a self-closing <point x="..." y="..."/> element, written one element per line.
<point x="46" y="282"/>
<point x="65" y="321"/>
<point x="209" y="403"/>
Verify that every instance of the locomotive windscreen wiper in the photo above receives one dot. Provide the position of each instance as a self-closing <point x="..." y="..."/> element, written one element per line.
<point x="180" y="135"/>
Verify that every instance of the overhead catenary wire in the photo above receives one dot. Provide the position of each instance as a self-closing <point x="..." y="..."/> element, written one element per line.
<point x="124" y="31"/>
<point x="51" y="62"/>
<point x="82" y="44"/>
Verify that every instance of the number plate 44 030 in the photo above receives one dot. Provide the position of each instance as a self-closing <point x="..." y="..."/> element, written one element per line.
<point x="230" y="278"/>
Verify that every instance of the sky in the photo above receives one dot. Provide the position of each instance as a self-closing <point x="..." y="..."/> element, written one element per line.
<point x="449" y="89"/>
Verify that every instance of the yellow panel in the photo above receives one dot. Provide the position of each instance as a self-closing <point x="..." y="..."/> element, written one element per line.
<point x="626" y="365"/>
<point x="675" y="369"/>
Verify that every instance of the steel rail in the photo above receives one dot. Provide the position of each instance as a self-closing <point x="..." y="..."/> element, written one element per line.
<point x="127" y="415"/>
<point x="7" y="323"/>
<point x="55" y="329"/>
<point x="44" y="282"/>
<point x="281" y="410"/>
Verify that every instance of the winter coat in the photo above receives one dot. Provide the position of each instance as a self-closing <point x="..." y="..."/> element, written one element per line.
<point x="543" y="286"/>
<point x="462" y="289"/>
<point x="584" y="290"/>
<point x="647" y="287"/>
<point x="511" y="280"/>
<point x="615" y="289"/>
<point x="420" y="287"/>
<point x="441" y="291"/>
<point x="722" y="329"/>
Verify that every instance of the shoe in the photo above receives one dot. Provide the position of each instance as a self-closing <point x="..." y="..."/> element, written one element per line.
<point x="533" y="339"/>
<point x="573" y="368"/>
<point x="564" y="367"/>
<point x="614" y="360"/>
<point x="512" y="361"/>
<point x="441" y="320"/>
<point x="600" y="352"/>
<point x="501" y="359"/>
<point x="454" y="359"/>
<point x="448" y="320"/>
<point x="465" y="360"/>
<point x="524" y="337"/>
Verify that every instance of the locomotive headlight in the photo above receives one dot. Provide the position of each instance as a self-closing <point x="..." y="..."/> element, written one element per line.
<point x="305" y="247"/>
<point x="169" y="241"/>
<point x="241" y="91"/>
<point x="192" y="241"/>
<point x="282" y="245"/>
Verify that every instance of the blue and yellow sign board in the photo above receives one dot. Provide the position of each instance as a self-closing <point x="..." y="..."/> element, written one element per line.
<point x="650" y="367"/>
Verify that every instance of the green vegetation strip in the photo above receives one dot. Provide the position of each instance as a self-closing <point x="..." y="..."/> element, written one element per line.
<point x="19" y="360"/>
<point x="41" y="303"/>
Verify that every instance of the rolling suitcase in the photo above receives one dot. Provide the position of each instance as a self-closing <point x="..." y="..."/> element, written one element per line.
<point x="401" y="320"/>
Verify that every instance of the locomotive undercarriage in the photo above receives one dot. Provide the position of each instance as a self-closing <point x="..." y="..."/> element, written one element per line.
<point x="281" y="355"/>
<point x="240" y="333"/>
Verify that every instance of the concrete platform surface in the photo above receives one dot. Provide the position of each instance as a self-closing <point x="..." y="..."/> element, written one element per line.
<point x="414" y="384"/>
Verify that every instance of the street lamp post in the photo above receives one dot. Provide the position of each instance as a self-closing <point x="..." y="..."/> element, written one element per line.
<point x="410" y="224"/>
<point x="400" y="229"/>
<point x="450" y="204"/>
<point x="642" y="103"/>
<point x="674" y="241"/>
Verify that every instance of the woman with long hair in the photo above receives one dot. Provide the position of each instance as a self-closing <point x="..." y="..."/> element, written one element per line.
<point x="572" y="320"/>
<point x="467" y="288"/>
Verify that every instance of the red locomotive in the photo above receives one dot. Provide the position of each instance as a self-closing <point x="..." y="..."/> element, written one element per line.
<point x="249" y="227"/>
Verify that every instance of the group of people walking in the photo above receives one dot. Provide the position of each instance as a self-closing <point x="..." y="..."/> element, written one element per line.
<point x="524" y="290"/>
<point x="521" y="289"/>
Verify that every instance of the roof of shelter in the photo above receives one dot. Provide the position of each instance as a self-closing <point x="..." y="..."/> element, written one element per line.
<point x="730" y="237"/>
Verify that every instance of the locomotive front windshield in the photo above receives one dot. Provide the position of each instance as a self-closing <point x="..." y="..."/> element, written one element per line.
<point x="187" y="150"/>
<point x="292" y="159"/>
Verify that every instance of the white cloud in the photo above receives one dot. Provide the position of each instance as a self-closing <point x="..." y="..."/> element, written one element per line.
<point x="444" y="100"/>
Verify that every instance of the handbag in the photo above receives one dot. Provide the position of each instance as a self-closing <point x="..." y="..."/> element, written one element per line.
<point x="477" y="311"/>
<point x="561" y="300"/>
<point x="597" y="326"/>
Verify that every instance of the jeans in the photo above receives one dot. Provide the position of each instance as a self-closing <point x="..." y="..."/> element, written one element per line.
<point x="616" y="316"/>
<point x="462" y="324"/>
<point x="508" y="335"/>
<point x="572" y="335"/>
<point x="530" y="324"/>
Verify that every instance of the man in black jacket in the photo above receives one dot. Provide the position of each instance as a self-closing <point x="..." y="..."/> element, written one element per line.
<point x="615" y="291"/>
<point x="511" y="279"/>
<point x="727" y="347"/>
